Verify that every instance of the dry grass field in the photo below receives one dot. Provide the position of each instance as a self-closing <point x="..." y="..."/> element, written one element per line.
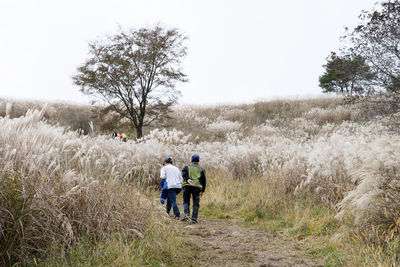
<point x="317" y="172"/>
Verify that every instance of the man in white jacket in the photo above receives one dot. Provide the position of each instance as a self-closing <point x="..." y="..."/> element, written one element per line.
<point x="173" y="177"/>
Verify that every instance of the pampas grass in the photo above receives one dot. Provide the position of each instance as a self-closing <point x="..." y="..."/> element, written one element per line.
<point x="58" y="185"/>
<point x="51" y="189"/>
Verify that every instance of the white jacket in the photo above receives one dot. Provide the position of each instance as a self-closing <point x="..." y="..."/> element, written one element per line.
<point x="172" y="175"/>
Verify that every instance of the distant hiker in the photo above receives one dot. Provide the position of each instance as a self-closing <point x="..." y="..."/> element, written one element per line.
<point x="123" y="137"/>
<point x="173" y="177"/>
<point x="114" y="135"/>
<point x="194" y="184"/>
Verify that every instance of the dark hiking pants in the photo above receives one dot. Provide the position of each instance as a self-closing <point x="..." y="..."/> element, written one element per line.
<point x="171" y="201"/>
<point x="195" y="192"/>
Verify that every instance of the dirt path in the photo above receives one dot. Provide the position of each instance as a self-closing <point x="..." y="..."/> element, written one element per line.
<point x="224" y="242"/>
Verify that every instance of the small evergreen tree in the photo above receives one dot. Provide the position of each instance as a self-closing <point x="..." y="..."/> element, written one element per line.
<point x="346" y="75"/>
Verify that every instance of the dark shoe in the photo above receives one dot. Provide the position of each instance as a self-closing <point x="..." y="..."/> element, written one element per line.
<point x="185" y="218"/>
<point x="194" y="221"/>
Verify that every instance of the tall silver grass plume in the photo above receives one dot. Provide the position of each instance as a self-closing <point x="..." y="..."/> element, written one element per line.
<point x="91" y="125"/>
<point x="8" y="109"/>
<point x="43" y="110"/>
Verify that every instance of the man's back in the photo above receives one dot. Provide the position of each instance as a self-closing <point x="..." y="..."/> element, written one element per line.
<point x="172" y="175"/>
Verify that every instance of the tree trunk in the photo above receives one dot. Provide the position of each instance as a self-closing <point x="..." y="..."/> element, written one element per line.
<point x="139" y="133"/>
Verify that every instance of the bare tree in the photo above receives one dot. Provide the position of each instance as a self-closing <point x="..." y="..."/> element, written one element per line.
<point x="135" y="72"/>
<point x="377" y="40"/>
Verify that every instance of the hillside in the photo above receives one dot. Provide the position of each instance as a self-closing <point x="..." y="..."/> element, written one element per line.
<point x="313" y="174"/>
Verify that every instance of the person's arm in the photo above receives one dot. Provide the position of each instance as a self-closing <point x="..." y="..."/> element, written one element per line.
<point x="186" y="177"/>
<point x="203" y="180"/>
<point x="185" y="173"/>
<point x="162" y="174"/>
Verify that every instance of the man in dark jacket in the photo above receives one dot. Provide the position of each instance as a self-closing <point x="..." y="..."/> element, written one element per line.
<point x="194" y="184"/>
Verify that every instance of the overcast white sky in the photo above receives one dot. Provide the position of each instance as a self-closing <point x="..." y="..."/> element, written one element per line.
<point x="238" y="51"/>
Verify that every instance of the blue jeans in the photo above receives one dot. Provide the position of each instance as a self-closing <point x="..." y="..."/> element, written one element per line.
<point x="171" y="200"/>
<point x="195" y="192"/>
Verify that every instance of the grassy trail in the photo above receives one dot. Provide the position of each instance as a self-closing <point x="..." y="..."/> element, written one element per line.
<point x="226" y="242"/>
